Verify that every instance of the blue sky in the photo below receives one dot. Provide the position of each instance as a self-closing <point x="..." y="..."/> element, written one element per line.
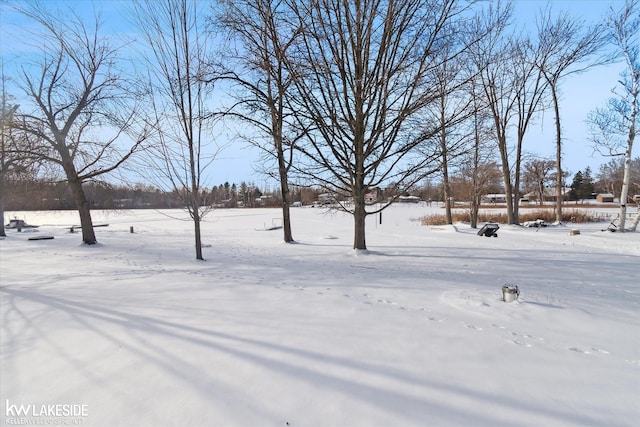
<point x="580" y="93"/>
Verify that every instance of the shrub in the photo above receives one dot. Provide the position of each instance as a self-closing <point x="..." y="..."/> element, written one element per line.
<point x="548" y="215"/>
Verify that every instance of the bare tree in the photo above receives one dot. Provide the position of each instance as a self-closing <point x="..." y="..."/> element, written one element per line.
<point x="529" y="89"/>
<point x="566" y="46"/>
<point x="261" y="81"/>
<point x="10" y="159"/>
<point x="452" y="109"/>
<point x="535" y="176"/>
<point x="362" y="75"/>
<point x="79" y="108"/>
<point x="614" y="126"/>
<point x="179" y="87"/>
<point x="513" y="88"/>
<point x="479" y="174"/>
<point x="610" y="176"/>
<point x="494" y="59"/>
<point x="478" y="165"/>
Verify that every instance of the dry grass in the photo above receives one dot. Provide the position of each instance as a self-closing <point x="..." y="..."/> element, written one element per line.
<point x="548" y="215"/>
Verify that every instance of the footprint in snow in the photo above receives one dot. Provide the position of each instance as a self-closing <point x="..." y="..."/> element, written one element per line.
<point x="520" y="343"/>
<point x="578" y="350"/>
<point x="588" y="351"/>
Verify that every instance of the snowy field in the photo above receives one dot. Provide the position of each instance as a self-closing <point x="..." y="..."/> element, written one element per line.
<point x="135" y="332"/>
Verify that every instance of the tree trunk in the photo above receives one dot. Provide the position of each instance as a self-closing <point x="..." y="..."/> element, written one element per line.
<point x="513" y="200"/>
<point x="195" y="203"/>
<point x="359" y="206"/>
<point x="475" y="187"/>
<point x="634" y="224"/>
<point x="359" y="218"/>
<point x="286" y="194"/>
<point x="476" y="191"/>
<point x="286" y="214"/>
<point x="558" y="156"/>
<point x="515" y="197"/>
<point x="196" y="230"/>
<point x="2" y="232"/>
<point x="84" y="210"/>
<point x="446" y="186"/>
<point x="624" y="194"/>
<point x="445" y="164"/>
<point x="506" y="177"/>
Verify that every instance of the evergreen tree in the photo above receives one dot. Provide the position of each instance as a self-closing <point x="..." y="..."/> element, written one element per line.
<point x="576" y="186"/>
<point x="587" y="188"/>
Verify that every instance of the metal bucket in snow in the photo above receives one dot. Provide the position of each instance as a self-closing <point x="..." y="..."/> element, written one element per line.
<point x="510" y="293"/>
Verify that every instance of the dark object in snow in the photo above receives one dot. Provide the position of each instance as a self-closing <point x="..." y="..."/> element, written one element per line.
<point x="613" y="226"/>
<point x="19" y="224"/>
<point x="276" y="224"/>
<point x="41" y="238"/>
<point x="275" y="227"/>
<point x="489" y="230"/>
<point x="510" y="293"/>
<point x="72" y="229"/>
<point x="536" y="224"/>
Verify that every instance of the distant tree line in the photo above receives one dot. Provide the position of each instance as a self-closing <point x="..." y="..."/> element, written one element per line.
<point x="34" y="194"/>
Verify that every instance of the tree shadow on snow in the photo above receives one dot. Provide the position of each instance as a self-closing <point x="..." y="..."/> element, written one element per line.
<point x="147" y="338"/>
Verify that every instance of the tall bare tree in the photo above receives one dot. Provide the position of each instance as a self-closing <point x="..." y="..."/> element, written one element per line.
<point x="529" y="89"/>
<point x="614" y="127"/>
<point x="478" y="166"/>
<point x="178" y="52"/>
<point x="493" y="58"/>
<point x="566" y="44"/>
<point x="361" y="76"/>
<point x="79" y="106"/>
<point x="513" y="88"/>
<point x="10" y="158"/>
<point x="260" y="81"/>
<point x="450" y="112"/>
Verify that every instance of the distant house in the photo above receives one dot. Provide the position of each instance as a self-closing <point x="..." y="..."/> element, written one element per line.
<point x="605" y="197"/>
<point x="494" y="198"/>
<point x="549" y="194"/>
<point x="408" y="199"/>
<point x="326" y="199"/>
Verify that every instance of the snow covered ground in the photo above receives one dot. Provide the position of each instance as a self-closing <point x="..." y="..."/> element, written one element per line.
<point x="135" y="332"/>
